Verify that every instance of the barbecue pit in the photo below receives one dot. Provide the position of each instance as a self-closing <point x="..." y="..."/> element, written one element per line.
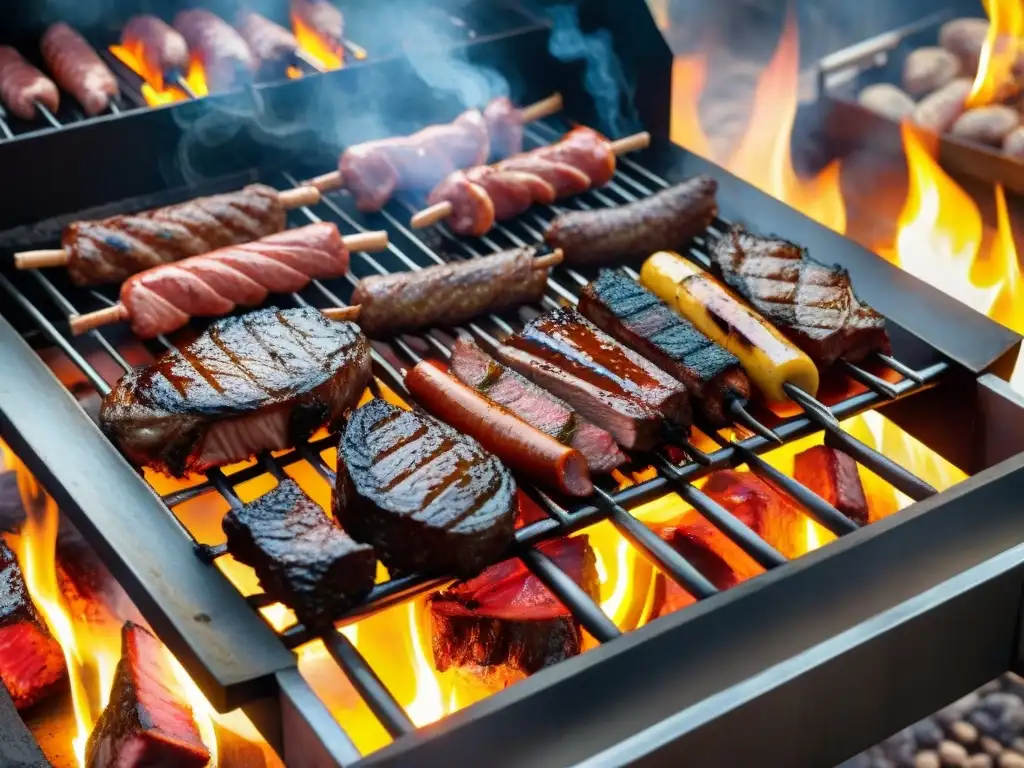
<point x="939" y="581"/>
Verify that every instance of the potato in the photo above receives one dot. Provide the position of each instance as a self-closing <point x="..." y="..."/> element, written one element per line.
<point x="941" y="109"/>
<point x="964" y="38"/>
<point x="887" y="100"/>
<point x="928" y="69"/>
<point x="1013" y="144"/>
<point x="986" y="125"/>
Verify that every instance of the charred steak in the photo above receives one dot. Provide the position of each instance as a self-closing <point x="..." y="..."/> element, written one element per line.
<point x="300" y="556"/>
<point x="628" y="312"/>
<point x="147" y="723"/>
<point x="426" y="497"/>
<point x="257" y="382"/>
<point x="813" y="305"/>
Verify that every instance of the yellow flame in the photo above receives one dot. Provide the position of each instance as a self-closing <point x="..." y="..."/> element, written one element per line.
<point x="328" y="55"/>
<point x="153" y="89"/>
<point x="428" y="706"/>
<point x="999" y="53"/>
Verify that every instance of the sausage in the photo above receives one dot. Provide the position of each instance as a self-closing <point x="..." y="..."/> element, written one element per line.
<point x="767" y="356"/>
<point x="522" y="447"/>
<point x="928" y="69"/>
<point x="666" y="219"/>
<point x="938" y="111"/>
<point x="159" y="46"/>
<point x="225" y="55"/>
<point x="78" y="69"/>
<point x="22" y="85"/>
<point x="271" y="43"/>
<point x="322" y="17"/>
<point x="448" y="294"/>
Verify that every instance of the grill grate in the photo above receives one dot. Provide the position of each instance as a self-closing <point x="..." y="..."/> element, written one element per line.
<point x="608" y="503"/>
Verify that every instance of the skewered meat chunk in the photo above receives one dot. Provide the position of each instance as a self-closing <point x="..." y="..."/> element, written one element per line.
<point x="31" y="662"/>
<point x="833" y="475"/>
<point x="505" y="624"/>
<point x="226" y="58"/>
<point x="448" y="294"/>
<point x="159" y="46"/>
<point x="667" y="220"/>
<point x="534" y="405"/>
<point x="607" y="383"/>
<point x="627" y="311"/>
<point x="428" y="498"/>
<point x="147" y="722"/>
<point x="22" y="86"/>
<point x="504" y="126"/>
<point x="322" y="18"/>
<point x="78" y="68"/>
<point x="258" y="382"/>
<point x="300" y="556"/>
<point x="164" y="298"/>
<point x="112" y="250"/>
<point x="272" y="44"/>
<point x="812" y="304"/>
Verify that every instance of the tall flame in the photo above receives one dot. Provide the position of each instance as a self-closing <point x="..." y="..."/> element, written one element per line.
<point x="326" y="54"/>
<point x="154" y="90"/>
<point x="999" y="53"/>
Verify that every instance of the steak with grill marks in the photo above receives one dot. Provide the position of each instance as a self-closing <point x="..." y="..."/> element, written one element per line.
<point x="252" y="383"/>
<point x="627" y="311"/>
<point x="300" y="556"/>
<point x="813" y="305"/>
<point x="427" y="497"/>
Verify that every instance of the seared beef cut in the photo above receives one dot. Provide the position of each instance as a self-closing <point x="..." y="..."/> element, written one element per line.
<point x="505" y="624"/>
<point x="627" y="311"/>
<point x="607" y="383"/>
<point x="833" y="476"/>
<point x="31" y="661"/>
<point x="541" y="409"/>
<point x="766" y="511"/>
<point x="813" y="305"/>
<point x="147" y="723"/>
<point x="257" y="382"/>
<point x="300" y="556"/>
<point x="426" y="497"/>
<point x="690" y="541"/>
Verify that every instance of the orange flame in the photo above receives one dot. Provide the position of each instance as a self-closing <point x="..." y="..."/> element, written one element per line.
<point x="196" y="77"/>
<point x="688" y="76"/>
<point x="327" y="54"/>
<point x="153" y="88"/>
<point x="999" y="53"/>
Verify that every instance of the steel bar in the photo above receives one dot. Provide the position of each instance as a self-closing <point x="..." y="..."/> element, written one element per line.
<point x="571" y="595"/>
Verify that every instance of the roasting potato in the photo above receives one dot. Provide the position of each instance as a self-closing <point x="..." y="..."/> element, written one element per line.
<point x="887" y="100"/>
<point x="1013" y="144"/>
<point x="964" y="39"/>
<point x="928" y="69"/>
<point x="941" y="109"/>
<point x="986" y="125"/>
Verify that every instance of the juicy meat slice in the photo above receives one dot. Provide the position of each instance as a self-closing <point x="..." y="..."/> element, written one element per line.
<point x="253" y="383"/>
<point x="584" y="149"/>
<point x="505" y="624"/>
<point x="159" y="46"/>
<point x="78" y="68"/>
<point x="226" y="58"/>
<point x="541" y="409"/>
<point x="112" y="250"/>
<point x="607" y="383"/>
<point x="833" y="475"/>
<point x="628" y="312"/>
<point x="813" y="305"/>
<point x="300" y="556"/>
<point x="688" y="539"/>
<point x="148" y="723"/>
<point x="31" y="661"/>
<point x="428" y="498"/>
<point x="22" y="85"/>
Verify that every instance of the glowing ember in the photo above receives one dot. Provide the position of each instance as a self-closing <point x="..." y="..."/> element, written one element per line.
<point x="999" y="53"/>
<point x="153" y="88"/>
<point x="323" y="52"/>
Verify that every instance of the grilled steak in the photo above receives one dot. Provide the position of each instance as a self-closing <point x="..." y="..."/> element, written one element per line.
<point x="813" y="305"/>
<point x="541" y="409"/>
<point x="607" y="383"/>
<point x="505" y="624"/>
<point x="300" y="556"/>
<point x="833" y="476"/>
<point x="252" y="383"/>
<point x="31" y="661"/>
<point x="689" y="539"/>
<point x="627" y="311"/>
<point x="147" y="722"/>
<point x="427" y="498"/>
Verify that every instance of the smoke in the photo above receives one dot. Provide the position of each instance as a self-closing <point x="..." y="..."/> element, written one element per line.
<point x="604" y="76"/>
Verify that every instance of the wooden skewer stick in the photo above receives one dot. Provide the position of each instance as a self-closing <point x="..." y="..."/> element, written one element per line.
<point x="440" y="211"/>
<point x="552" y="259"/>
<point x="342" y="313"/>
<point x="59" y="257"/>
<point x="365" y="241"/>
<point x="329" y="182"/>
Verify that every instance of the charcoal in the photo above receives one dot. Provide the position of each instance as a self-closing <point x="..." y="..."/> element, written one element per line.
<point x="689" y="540"/>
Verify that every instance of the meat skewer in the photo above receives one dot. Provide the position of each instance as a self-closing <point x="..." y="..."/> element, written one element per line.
<point x="519" y="445"/>
<point x="323" y="19"/>
<point x="472" y="201"/>
<point x="114" y="249"/>
<point x="78" y="69"/>
<point x="275" y="47"/>
<point x="225" y="56"/>
<point x="158" y="46"/>
<point x="24" y="88"/>
<point x="165" y="298"/>
<point x="372" y="172"/>
<point x="668" y="219"/>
